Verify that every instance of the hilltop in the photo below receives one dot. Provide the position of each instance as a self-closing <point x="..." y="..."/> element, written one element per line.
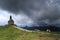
<point x="12" y="33"/>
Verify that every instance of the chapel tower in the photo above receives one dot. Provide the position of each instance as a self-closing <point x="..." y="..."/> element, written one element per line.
<point x="10" y="22"/>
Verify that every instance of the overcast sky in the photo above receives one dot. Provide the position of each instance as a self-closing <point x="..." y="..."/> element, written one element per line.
<point x="30" y="12"/>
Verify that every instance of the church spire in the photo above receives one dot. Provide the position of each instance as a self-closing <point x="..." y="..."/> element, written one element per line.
<point x="10" y="17"/>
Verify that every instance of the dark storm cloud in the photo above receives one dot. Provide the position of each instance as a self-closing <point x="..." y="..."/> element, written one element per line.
<point x="16" y="5"/>
<point x="10" y="5"/>
<point x="38" y="10"/>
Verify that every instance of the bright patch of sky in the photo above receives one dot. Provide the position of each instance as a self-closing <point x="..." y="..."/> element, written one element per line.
<point x="18" y="19"/>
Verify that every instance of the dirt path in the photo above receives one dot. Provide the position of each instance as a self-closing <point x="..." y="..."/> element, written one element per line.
<point x="23" y="29"/>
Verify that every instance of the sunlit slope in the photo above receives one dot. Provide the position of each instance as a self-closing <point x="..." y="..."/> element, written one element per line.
<point x="12" y="33"/>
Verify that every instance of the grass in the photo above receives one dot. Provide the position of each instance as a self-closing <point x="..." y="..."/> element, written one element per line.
<point x="11" y="33"/>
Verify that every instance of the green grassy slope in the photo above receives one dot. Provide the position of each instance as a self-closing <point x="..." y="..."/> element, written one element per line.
<point x="12" y="33"/>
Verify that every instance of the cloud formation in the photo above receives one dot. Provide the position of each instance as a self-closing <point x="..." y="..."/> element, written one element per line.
<point x="21" y="19"/>
<point x="39" y="11"/>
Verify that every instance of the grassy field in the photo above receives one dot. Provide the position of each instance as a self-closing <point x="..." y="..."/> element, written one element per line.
<point x="12" y="33"/>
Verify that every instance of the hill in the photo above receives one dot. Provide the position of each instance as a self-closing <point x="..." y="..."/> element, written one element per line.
<point x="12" y="33"/>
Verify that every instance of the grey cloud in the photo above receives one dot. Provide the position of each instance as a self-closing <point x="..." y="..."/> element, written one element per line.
<point x="37" y="10"/>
